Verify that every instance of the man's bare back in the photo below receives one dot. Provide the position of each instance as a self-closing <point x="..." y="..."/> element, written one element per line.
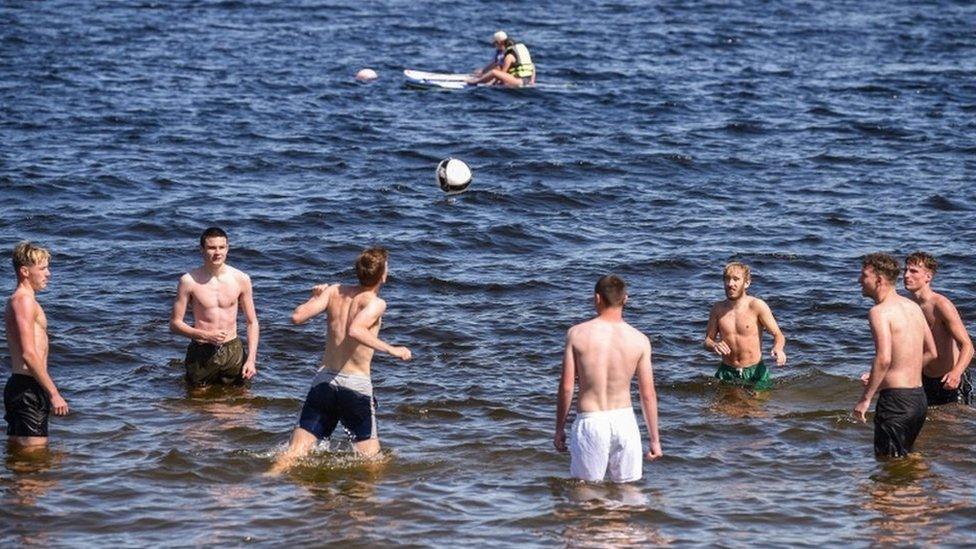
<point x="604" y="355"/>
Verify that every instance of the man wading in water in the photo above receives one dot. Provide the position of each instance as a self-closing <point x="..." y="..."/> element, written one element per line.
<point x="342" y="389"/>
<point x="215" y="354"/>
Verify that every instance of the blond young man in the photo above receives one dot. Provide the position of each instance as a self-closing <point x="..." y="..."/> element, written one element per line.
<point x="947" y="378"/>
<point x="342" y="390"/>
<point x="735" y="328"/>
<point x="30" y="394"/>
<point x="215" y="355"/>
<point x="604" y="355"/>
<point x="903" y="343"/>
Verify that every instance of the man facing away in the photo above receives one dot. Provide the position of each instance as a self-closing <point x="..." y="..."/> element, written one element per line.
<point x="30" y="393"/>
<point x="215" y="354"/>
<point x="947" y="378"/>
<point x="604" y="354"/>
<point x="734" y="332"/>
<point x="342" y="390"/>
<point x="903" y="343"/>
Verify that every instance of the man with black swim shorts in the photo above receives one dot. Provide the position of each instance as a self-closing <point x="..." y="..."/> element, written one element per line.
<point x="342" y="390"/>
<point x="734" y="332"/>
<point x="903" y="343"/>
<point x="30" y="394"/>
<point x="948" y="378"/>
<point x="215" y="355"/>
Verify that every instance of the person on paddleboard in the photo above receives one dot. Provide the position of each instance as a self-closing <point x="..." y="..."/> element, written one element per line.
<point x="511" y="67"/>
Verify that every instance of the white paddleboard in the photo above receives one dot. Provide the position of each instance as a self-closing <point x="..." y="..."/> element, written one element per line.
<point x="448" y="81"/>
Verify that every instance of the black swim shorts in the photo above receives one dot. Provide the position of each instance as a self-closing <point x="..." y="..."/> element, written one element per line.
<point x="27" y="405"/>
<point x="898" y="418"/>
<point x="938" y="395"/>
<point x="336" y="397"/>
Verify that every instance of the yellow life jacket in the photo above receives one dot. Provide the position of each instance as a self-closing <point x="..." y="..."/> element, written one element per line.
<point x="522" y="67"/>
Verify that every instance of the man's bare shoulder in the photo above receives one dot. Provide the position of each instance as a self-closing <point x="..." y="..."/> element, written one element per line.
<point x="238" y="274"/>
<point x="720" y="307"/>
<point x="944" y="305"/>
<point x="21" y="302"/>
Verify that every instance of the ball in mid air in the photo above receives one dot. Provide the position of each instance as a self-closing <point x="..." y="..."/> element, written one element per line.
<point x="453" y="176"/>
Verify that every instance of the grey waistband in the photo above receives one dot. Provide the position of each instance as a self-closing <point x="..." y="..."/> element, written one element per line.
<point x="360" y="384"/>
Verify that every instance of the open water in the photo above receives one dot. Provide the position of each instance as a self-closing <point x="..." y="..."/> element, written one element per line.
<point x="668" y="138"/>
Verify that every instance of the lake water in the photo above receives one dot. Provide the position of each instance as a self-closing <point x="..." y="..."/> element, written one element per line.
<point x="664" y="140"/>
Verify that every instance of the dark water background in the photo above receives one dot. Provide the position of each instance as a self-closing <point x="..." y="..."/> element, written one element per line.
<point x="670" y="138"/>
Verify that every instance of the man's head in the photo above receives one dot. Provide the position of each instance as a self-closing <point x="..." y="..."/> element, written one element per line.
<point x="499" y="38"/>
<point x="920" y="268"/>
<point x="878" y="272"/>
<point x="610" y="292"/>
<point x="213" y="246"/>
<point x="31" y="264"/>
<point x="737" y="277"/>
<point x="371" y="267"/>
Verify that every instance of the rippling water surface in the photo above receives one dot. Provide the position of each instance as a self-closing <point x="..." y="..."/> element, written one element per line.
<point x="666" y="139"/>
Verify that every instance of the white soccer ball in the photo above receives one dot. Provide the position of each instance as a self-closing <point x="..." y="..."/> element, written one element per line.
<point x="453" y="176"/>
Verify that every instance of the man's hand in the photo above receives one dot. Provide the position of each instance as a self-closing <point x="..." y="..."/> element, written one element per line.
<point x="865" y="378"/>
<point x="654" y="452"/>
<point x="780" y="356"/>
<point x="401" y="352"/>
<point x="59" y="405"/>
<point x="951" y="380"/>
<point x="249" y="370"/>
<point x="215" y="336"/>
<point x="559" y="441"/>
<point x="722" y="348"/>
<point x="861" y="410"/>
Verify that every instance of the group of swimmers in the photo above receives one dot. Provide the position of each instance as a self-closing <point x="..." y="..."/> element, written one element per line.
<point x="922" y="354"/>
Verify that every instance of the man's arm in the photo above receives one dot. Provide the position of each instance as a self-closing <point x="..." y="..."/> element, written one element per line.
<point x="711" y="335"/>
<point x="25" y="316"/>
<point x="768" y="322"/>
<point x="364" y="320"/>
<point x="881" y="333"/>
<point x="950" y="317"/>
<point x="246" y="303"/>
<point x="506" y="64"/>
<point x="564" y="395"/>
<point x="648" y="400"/>
<point x="178" y="325"/>
<point x="317" y="302"/>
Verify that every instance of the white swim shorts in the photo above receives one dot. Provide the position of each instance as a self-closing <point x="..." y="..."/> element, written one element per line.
<point x="606" y="444"/>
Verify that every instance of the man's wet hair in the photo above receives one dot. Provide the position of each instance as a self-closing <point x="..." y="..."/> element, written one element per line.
<point x="883" y="264"/>
<point x="370" y="266"/>
<point x="211" y="232"/>
<point x="612" y="290"/>
<point x="733" y="265"/>
<point x="923" y="259"/>
<point x="27" y="254"/>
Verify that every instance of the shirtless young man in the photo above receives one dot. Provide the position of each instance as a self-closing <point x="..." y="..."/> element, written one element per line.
<point x="30" y="393"/>
<point x="903" y="343"/>
<point x="215" y="354"/>
<point x="946" y="379"/>
<point x="735" y="332"/>
<point x="342" y="389"/>
<point x="604" y="354"/>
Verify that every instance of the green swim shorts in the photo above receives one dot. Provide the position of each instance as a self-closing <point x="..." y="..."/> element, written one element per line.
<point x="755" y="376"/>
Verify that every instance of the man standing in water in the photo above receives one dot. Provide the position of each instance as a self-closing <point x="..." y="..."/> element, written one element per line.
<point x="947" y="378"/>
<point x="903" y="343"/>
<point x="215" y="354"/>
<point x="30" y="394"/>
<point x="735" y="332"/>
<point x="605" y="353"/>
<point x="342" y="389"/>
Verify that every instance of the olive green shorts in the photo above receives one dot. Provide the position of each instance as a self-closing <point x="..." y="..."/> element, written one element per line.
<point x="209" y="364"/>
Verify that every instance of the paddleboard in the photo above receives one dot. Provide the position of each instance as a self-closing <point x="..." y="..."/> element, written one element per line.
<point x="447" y="81"/>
